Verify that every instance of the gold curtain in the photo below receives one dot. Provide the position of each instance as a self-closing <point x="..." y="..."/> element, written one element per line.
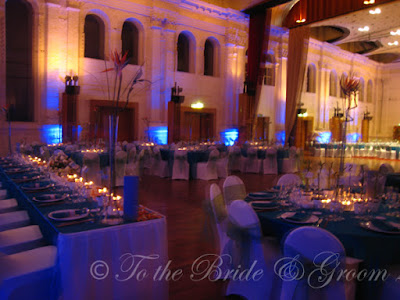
<point x="296" y="68"/>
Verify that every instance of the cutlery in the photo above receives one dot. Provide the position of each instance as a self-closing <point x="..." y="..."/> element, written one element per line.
<point x="319" y="222"/>
<point x="50" y="203"/>
<point x="74" y="222"/>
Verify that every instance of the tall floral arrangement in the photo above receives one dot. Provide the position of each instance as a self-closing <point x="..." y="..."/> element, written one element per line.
<point x="120" y="97"/>
<point x="350" y="87"/>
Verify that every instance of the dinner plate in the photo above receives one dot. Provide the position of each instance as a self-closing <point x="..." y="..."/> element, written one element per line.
<point x="261" y="196"/>
<point x="370" y="226"/>
<point x="68" y="214"/>
<point x="312" y="219"/>
<point x="48" y="198"/>
<point x="264" y="205"/>
<point x="16" y="170"/>
<point x="37" y="186"/>
<point x="26" y="178"/>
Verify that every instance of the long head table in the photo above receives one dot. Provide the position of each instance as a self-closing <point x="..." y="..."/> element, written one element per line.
<point x="97" y="261"/>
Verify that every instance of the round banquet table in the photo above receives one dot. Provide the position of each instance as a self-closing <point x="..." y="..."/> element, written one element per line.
<point x="377" y="250"/>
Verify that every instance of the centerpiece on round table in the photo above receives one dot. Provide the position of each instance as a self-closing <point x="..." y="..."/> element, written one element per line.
<point x="350" y="87"/>
<point x="116" y="93"/>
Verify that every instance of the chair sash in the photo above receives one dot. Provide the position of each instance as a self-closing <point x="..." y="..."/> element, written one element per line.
<point x="234" y="192"/>
<point x="272" y="159"/>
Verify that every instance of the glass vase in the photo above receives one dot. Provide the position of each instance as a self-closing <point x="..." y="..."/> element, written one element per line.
<point x="112" y="212"/>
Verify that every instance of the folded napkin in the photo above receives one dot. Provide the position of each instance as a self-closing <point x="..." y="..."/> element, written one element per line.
<point x="67" y="214"/>
<point x="299" y="217"/>
<point x="385" y="226"/>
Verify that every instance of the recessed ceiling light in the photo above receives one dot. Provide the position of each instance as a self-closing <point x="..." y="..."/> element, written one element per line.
<point x="395" y="32"/>
<point x="395" y="43"/>
<point x="375" y="11"/>
<point x="369" y="2"/>
<point x="363" y="29"/>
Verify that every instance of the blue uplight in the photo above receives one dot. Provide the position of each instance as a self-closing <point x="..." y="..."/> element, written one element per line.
<point x="158" y="135"/>
<point x="280" y="137"/>
<point x="52" y="133"/>
<point x="324" y="137"/>
<point x="229" y="136"/>
<point x="353" y="137"/>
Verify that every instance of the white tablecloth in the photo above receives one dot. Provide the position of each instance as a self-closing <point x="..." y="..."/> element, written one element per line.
<point x="83" y="255"/>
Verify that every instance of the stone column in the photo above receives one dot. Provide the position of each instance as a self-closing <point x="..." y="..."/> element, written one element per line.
<point x="230" y="76"/>
<point x="154" y="105"/>
<point x="57" y="41"/>
<point x="169" y="56"/>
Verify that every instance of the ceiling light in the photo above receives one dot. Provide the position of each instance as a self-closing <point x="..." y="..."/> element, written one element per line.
<point x="395" y="32"/>
<point x="369" y="2"/>
<point x="375" y="11"/>
<point x="395" y="43"/>
<point x="362" y="29"/>
<point x="301" y="21"/>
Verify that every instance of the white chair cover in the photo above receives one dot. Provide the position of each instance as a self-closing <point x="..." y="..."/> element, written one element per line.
<point x="20" y="239"/>
<point x="247" y="250"/>
<point x="289" y="165"/>
<point x="144" y="161"/>
<point x="234" y="189"/>
<point x="44" y="152"/>
<point x="219" y="216"/>
<point x="234" y="158"/>
<point x="311" y="246"/>
<point x="132" y="168"/>
<point x="270" y="164"/>
<point x="8" y="205"/>
<point x="222" y="167"/>
<point x="251" y="164"/>
<point x="29" y="274"/>
<point x="180" y="169"/>
<point x="159" y="167"/>
<point x="14" y="219"/>
<point x="208" y="170"/>
<point x="120" y="165"/>
<point x="289" y="179"/>
<point x="91" y="168"/>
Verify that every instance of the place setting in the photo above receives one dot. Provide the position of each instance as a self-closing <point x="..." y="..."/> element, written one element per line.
<point x="37" y="186"/>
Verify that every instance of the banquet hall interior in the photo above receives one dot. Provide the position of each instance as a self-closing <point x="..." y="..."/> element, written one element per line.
<point x="199" y="149"/>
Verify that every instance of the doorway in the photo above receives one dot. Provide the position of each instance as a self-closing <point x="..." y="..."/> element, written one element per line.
<point x="197" y="125"/>
<point x="304" y="131"/>
<point x="99" y="121"/>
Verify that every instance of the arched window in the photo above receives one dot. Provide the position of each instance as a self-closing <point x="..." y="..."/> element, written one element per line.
<point x="369" y="91"/>
<point x="361" y="91"/>
<point x="19" y="74"/>
<point x="333" y="84"/>
<point x="269" y="75"/>
<point x="94" y="37"/>
<point x="311" y="80"/>
<point x="130" y="42"/>
<point x="186" y="47"/>
<point x="211" y="57"/>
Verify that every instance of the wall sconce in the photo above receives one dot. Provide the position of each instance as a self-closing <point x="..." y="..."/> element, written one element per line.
<point x="69" y="88"/>
<point x="197" y="105"/>
<point x="300" y="20"/>
<point x="302" y="112"/>
<point x="369" y="2"/>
